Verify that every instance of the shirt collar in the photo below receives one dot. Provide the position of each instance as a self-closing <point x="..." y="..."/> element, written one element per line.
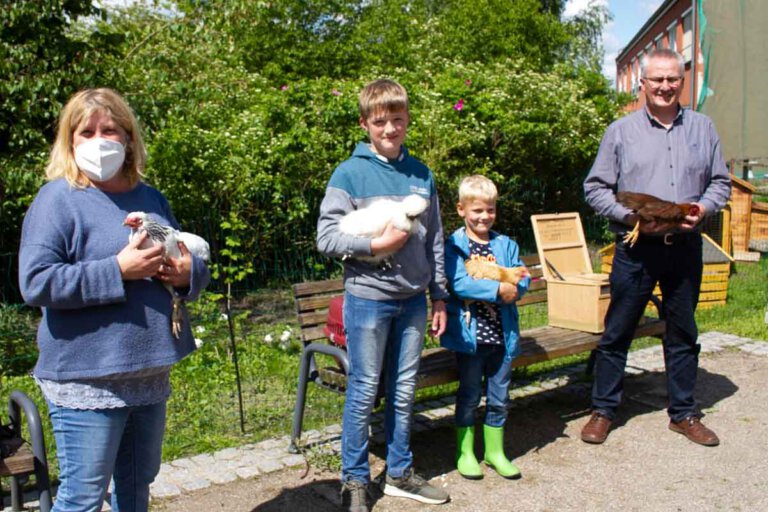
<point x="676" y="121"/>
<point x="399" y="158"/>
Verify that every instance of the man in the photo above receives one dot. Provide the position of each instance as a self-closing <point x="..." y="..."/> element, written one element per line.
<point x="673" y="154"/>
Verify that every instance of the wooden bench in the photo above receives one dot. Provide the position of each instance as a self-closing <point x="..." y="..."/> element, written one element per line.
<point x="25" y="462"/>
<point x="438" y="365"/>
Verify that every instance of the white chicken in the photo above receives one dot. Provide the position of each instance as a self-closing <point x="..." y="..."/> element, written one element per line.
<point x="169" y="238"/>
<point x="371" y="221"/>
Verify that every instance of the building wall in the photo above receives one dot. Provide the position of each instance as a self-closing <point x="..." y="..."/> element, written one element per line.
<point x="669" y="16"/>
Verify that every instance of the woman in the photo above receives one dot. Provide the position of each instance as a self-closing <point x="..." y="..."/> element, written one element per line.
<point x="105" y="341"/>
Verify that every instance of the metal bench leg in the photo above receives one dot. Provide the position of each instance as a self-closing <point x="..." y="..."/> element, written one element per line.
<point x="306" y="368"/>
<point x="17" y="401"/>
<point x="17" y="504"/>
<point x="301" y="396"/>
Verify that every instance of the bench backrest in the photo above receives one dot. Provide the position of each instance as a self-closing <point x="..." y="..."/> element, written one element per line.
<point x="312" y="299"/>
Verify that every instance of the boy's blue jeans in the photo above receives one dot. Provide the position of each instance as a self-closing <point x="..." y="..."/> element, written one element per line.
<point x="377" y="329"/>
<point x="93" y="446"/>
<point x="487" y="362"/>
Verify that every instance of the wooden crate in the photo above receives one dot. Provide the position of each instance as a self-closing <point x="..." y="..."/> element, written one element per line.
<point x="577" y="298"/>
<point x="741" y="213"/>
<point x="758" y="224"/>
<point x="714" y="278"/>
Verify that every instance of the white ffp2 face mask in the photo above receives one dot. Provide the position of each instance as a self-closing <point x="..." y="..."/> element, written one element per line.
<point x="100" y="159"/>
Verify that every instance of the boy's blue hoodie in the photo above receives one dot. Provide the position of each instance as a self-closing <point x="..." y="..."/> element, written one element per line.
<point x="461" y="336"/>
<point x="356" y="183"/>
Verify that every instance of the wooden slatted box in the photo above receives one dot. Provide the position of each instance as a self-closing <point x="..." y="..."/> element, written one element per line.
<point x="577" y="298"/>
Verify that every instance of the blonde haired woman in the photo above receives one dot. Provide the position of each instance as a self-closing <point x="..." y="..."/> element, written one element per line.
<point x="105" y="342"/>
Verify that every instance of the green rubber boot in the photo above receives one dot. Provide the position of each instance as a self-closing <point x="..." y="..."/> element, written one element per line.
<point x="494" y="452"/>
<point x="466" y="462"/>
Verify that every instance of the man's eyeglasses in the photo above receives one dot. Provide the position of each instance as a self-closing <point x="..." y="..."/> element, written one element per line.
<point x="656" y="81"/>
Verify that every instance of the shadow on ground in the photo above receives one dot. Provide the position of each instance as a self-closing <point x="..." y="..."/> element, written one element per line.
<point x="534" y="422"/>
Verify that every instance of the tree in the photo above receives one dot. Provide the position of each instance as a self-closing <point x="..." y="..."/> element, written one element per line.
<point x="43" y="60"/>
<point x="45" y="56"/>
<point x="248" y="107"/>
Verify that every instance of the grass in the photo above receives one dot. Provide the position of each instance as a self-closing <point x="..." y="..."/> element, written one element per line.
<point x="744" y="313"/>
<point x="203" y="409"/>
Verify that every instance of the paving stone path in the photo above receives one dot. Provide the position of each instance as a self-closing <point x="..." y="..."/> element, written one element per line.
<point x="250" y="460"/>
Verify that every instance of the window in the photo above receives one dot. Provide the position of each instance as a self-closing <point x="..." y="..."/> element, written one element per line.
<point x="658" y="43"/>
<point x="672" y="36"/>
<point x="635" y="81"/>
<point x="687" y="50"/>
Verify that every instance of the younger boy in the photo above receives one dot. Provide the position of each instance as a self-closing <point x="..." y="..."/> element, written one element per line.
<point x="482" y="327"/>
<point x="385" y="307"/>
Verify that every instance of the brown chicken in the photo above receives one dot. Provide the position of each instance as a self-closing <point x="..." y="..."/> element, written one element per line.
<point x="653" y="209"/>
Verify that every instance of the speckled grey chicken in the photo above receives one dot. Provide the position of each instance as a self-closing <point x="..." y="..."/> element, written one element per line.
<point x="169" y="238"/>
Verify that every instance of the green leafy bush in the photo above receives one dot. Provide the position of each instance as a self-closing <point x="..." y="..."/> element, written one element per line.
<point x="18" y="351"/>
<point x="247" y="115"/>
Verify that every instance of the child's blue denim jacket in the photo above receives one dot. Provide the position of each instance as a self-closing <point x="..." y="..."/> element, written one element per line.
<point x="460" y="334"/>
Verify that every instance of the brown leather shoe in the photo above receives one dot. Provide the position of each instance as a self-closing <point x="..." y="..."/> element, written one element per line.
<point x="596" y="429"/>
<point x="692" y="428"/>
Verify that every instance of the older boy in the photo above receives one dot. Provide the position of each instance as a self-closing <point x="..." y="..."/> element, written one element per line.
<point x="482" y="327"/>
<point x="385" y="308"/>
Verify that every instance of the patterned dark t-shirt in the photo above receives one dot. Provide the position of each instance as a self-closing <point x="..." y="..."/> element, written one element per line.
<point x="489" y="330"/>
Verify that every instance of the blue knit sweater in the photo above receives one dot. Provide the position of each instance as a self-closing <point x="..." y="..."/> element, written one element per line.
<point x="94" y="323"/>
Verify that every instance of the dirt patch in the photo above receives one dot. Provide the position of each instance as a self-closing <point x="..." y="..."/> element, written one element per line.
<point x="643" y="466"/>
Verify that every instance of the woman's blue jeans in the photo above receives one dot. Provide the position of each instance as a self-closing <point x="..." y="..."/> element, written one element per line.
<point x="379" y="331"/>
<point x="93" y="446"/>
<point x="487" y="362"/>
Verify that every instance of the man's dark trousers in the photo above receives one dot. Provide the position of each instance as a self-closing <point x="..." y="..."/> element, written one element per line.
<point x="677" y="268"/>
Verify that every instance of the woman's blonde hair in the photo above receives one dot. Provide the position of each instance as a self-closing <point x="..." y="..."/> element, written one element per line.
<point x="382" y="95"/>
<point x="80" y="108"/>
<point x="477" y="187"/>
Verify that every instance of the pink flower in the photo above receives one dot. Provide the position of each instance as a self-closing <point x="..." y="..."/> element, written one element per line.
<point x="335" y="92"/>
<point x="467" y="82"/>
<point x="284" y="87"/>
<point x="459" y="106"/>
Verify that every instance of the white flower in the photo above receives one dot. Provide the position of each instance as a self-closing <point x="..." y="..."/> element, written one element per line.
<point x="268" y="338"/>
<point x="285" y="336"/>
<point x="198" y="342"/>
<point x="224" y="316"/>
<point x="200" y="329"/>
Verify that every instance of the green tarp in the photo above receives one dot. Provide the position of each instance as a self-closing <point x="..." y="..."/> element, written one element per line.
<point x="733" y="89"/>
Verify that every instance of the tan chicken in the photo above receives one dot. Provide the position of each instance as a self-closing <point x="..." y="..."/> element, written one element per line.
<point x="652" y="209"/>
<point x="481" y="268"/>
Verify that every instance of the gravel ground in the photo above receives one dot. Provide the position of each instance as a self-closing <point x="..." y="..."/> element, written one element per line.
<point x="643" y="466"/>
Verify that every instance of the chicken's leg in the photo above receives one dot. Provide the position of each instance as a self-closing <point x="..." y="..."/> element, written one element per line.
<point x="177" y="318"/>
<point x="632" y="236"/>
